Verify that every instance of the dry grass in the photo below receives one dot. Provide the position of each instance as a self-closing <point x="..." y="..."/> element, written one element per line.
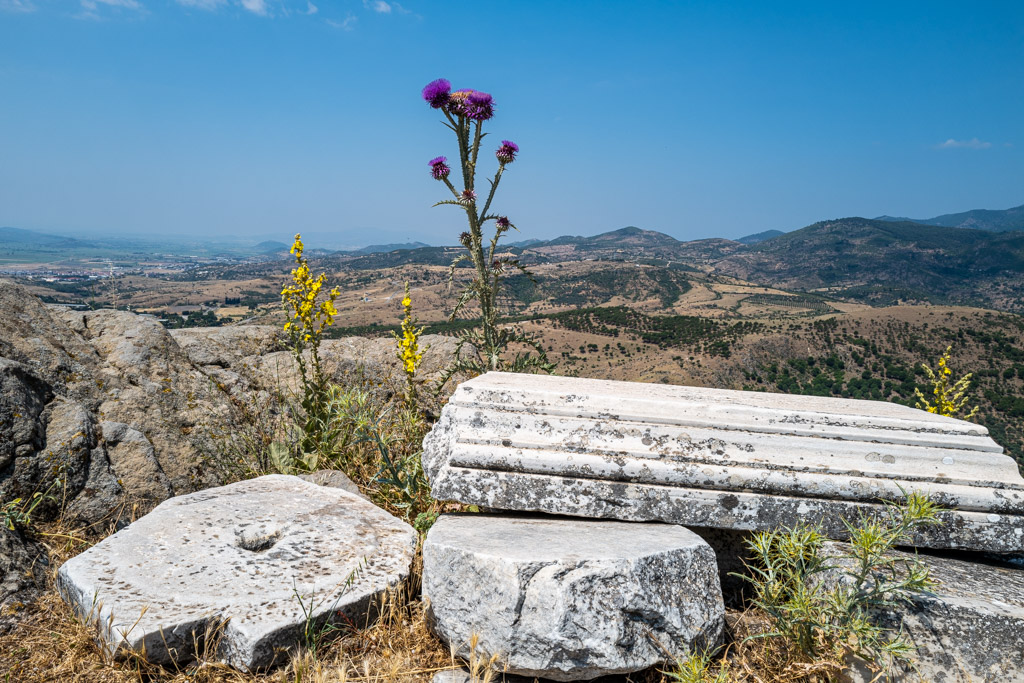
<point x="51" y="644"/>
<point x="763" y="660"/>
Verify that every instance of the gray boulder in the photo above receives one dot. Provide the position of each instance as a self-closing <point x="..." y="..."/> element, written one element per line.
<point x="105" y="402"/>
<point x="969" y="629"/>
<point x="22" y="575"/>
<point x="256" y="558"/>
<point x="570" y="599"/>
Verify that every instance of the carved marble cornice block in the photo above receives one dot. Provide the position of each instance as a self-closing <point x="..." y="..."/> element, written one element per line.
<point x="718" y="458"/>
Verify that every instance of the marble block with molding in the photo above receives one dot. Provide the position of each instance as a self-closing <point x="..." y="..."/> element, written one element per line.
<point x="718" y="458"/>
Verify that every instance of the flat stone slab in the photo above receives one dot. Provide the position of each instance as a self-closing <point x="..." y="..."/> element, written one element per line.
<point x="570" y="599"/>
<point x="718" y="458"/>
<point x="245" y="553"/>
<point x="970" y="629"/>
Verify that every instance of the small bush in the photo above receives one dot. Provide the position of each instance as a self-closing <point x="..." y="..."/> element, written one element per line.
<point x="814" y="607"/>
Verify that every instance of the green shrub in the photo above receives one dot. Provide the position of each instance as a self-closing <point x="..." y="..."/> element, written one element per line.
<point x="826" y="605"/>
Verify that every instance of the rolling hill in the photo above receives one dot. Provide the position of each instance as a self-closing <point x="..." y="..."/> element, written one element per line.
<point x="884" y="262"/>
<point x="1005" y="220"/>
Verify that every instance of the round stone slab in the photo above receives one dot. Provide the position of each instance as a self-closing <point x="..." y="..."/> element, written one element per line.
<point x="259" y="554"/>
<point x="570" y="599"/>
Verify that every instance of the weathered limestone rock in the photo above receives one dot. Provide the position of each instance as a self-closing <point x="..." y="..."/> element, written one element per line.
<point x="133" y="459"/>
<point x="570" y="599"/>
<point x="717" y="458"/>
<point x="970" y="629"/>
<point x="22" y="576"/>
<point x="246" y="553"/>
<point x="62" y="374"/>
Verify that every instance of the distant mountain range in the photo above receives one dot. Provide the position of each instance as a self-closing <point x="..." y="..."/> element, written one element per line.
<point x="1006" y="220"/>
<point x="879" y="261"/>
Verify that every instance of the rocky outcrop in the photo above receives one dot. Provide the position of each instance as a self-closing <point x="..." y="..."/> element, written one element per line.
<point x="256" y="357"/>
<point x="718" y="458"/>
<point x="570" y="599"/>
<point x="96" y="408"/>
<point x="260" y="558"/>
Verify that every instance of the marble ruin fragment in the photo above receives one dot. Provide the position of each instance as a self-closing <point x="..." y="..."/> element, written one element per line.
<point x="718" y="458"/>
<point x="241" y="566"/>
<point x="571" y="599"/>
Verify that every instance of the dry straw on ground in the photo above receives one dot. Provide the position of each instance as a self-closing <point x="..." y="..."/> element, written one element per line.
<point x="51" y="644"/>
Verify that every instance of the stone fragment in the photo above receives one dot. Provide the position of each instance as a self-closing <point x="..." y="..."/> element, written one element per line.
<point x="969" y="629"/>
<point x="256" y="554"/>
<point x="717" y="458"/>
<point x="570" y="599"/>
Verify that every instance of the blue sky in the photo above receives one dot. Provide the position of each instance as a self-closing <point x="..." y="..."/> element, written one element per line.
<point x="698" y="119"/>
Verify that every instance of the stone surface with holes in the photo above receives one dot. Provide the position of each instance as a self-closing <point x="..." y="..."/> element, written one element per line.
<point x="256" y="554"/>
<point x="570" y="599"/>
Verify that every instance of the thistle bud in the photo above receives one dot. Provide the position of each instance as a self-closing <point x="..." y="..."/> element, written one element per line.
<point x="507" y="152"/>
<point x="438" y="169"/>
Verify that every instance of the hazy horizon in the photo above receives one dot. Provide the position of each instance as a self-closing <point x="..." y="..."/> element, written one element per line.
<point x="334" y="240"/>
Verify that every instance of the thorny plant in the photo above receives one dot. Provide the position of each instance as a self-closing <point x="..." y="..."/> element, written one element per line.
<point x="699" y="668"/>
<point x="827" y="606"/>
<point x="465" y="112"/>
<point x="949" y="398"/>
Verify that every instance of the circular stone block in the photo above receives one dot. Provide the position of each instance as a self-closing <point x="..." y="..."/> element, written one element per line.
<point x="259" y="558"/>
<point x="571" y="599"/>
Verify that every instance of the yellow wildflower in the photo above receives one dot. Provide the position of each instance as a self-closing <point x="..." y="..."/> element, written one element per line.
<point x="950" y="399"/>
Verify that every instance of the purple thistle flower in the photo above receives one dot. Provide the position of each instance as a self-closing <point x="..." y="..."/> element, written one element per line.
<point x="437" y="93"/>
<point x="438" y="168"/>
<point x="468" y="196"/>
<point x="479" y="106"/>
<point x="503" y="223"/>
<point x="465" y="238"/>
<point x="507" y="152"/>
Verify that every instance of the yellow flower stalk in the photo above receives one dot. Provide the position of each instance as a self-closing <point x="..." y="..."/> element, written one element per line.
<point x="409" y="346"/>
<point x="310" y="310"/>
<point x="950" y="397"/>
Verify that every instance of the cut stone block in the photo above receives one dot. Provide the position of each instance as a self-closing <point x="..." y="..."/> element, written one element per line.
<point x="969" y="629"/>
<point x="256" y="553"/>
<point x="570" y="599"/>
<point x="717" y="458"/>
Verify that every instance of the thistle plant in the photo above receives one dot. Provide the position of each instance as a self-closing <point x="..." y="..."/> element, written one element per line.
<point x="950" y="398"/>
<point x="310" y="311"/>
<point x="825" y="605"/>
<point x="465" y="112"/>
